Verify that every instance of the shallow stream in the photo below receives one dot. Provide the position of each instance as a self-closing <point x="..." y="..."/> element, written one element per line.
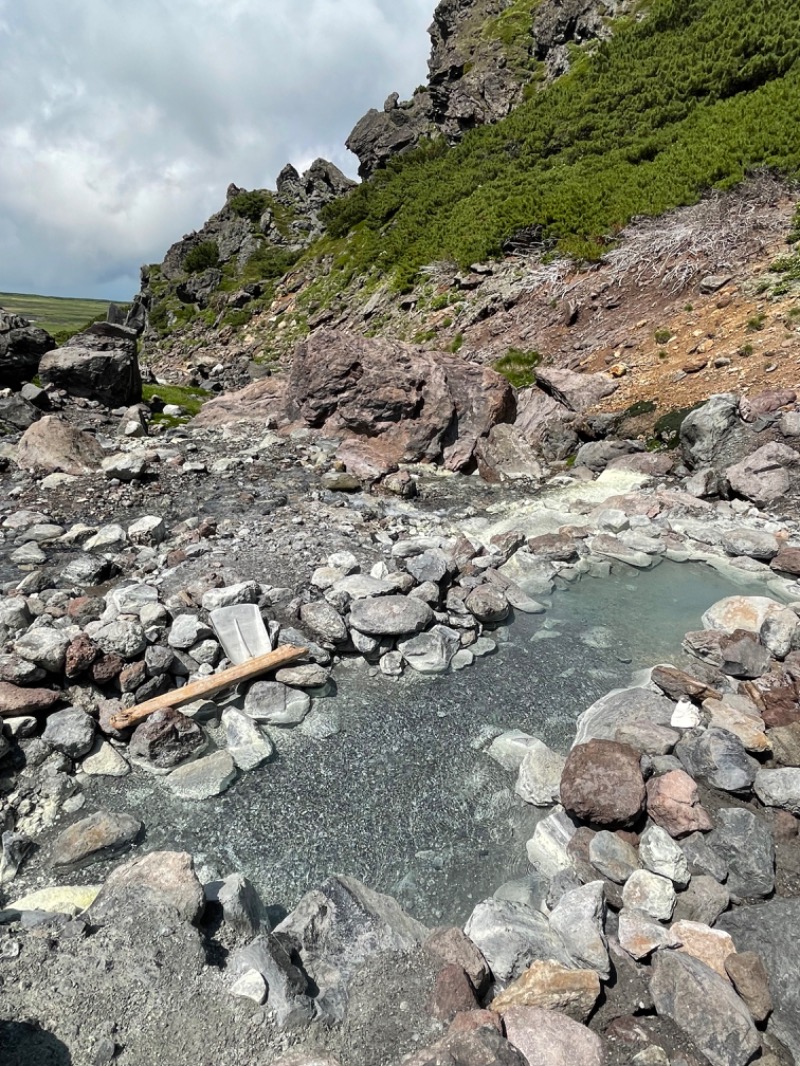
<point x="402" y="797"/>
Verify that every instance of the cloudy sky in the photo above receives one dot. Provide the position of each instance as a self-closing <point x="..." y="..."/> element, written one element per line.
<point x="122" y="124"/>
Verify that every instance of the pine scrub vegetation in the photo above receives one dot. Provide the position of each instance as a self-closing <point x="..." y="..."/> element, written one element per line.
<point x="693" y="96"/>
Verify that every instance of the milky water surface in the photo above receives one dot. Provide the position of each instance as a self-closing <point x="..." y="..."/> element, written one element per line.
<point x="403" y="797"/>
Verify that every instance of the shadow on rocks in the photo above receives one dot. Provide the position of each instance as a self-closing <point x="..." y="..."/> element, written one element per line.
<point x="22" y="1044"/>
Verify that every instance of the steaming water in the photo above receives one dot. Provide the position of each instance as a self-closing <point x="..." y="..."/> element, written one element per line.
<point x="402" y="797"/>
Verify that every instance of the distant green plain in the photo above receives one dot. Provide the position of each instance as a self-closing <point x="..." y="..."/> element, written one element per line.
<point x="54" y="313"/>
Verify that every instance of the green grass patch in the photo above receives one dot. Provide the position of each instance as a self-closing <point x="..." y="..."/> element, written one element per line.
<point x="56" y="314"/>
<point x="518" y="367"/>
<point x="667" y="430"/>
<point x="190" y="398"/>
<point x="663" y="335"/>
<point x="756" y="323"/>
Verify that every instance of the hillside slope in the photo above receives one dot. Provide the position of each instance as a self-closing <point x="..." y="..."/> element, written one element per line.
<point x="658" y="108"/>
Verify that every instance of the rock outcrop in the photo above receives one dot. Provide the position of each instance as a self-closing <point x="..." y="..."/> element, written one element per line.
<point x="399" y="402"/>
<point x="100" y="364"/>
<point x="22" y="346"/>
<point x="483" y="54"/>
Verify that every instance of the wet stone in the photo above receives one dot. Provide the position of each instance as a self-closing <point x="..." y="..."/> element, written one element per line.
<point x="204" y="778"/>
<point x="602" y="783"/>
<point x="246" y="743"/>
<point x="96" y="837"/>
<point x="166" y="739"/>
<point x="539" y="778"/>
<point x="511" y="937"/>
<point x="488" y="604"/>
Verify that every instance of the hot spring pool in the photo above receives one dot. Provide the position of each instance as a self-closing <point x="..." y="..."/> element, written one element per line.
<point x="402" y="797"/>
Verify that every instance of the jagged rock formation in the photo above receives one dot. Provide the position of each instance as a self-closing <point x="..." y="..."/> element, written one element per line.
<point x="253" y="238"/>
<point x="287" y="218"/>
<point x="483" y="54"/>
<point x="22" y="345"/>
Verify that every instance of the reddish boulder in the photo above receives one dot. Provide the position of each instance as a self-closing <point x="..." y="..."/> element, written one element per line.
<point x="451" y="945"/>
<point x="81" y="653"/>
<point x="406" y="400"/>
<point x="166" y="739"/>
<point x="787" y="561"/>
<point x="16" y="702"/>
<point x="602" y="783"/>
<point x="452" y="993"/>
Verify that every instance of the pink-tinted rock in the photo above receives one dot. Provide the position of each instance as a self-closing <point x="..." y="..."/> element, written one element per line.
<point x="451" y="945"/>
<point x="546" y="1037"/>
<point x="469" y="1021"/>
<point x="602" y="783"/>
<point x="765" y="403"/>
<point x="163" y="876"/>
<point x="51" y="445"/>
<point x="16" y="702"/>
<point x="787" y="561"/>
<point x="81" y="653"/>
<point x="262" y="401"/>
<point x="673" y="802"/>
<point x="397" y="393"/>
<point x="452" y="993"/>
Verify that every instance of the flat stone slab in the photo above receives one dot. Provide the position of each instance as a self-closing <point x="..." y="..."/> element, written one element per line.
<point x="204" y="778"/>
<point x="97" y="837"/>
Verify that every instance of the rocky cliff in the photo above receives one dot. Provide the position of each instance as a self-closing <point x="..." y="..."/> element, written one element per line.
<point x="484" y="53"/>
<point x="229" y="262"/>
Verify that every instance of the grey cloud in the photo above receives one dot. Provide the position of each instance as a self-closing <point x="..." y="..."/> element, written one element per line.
<point x="121" y="125"/>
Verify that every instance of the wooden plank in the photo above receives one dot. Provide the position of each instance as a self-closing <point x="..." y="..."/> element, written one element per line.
<point x="208" y="686"/>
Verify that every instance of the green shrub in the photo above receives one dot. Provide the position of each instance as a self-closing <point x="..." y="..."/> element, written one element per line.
<point x="756" y="323"/>
<point x="456" y="343"/>
<point x="518" y="367"/>
<point x="746" y="350"/>
<point x="203" y="256"/>
<point x="269" y="263"/>
<point x="663" y="335"/>
<point x="693" y="96"/>
<point x="667" y="430"/>
<point x="236" y="317"/>
<point x="250" y="205"/>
